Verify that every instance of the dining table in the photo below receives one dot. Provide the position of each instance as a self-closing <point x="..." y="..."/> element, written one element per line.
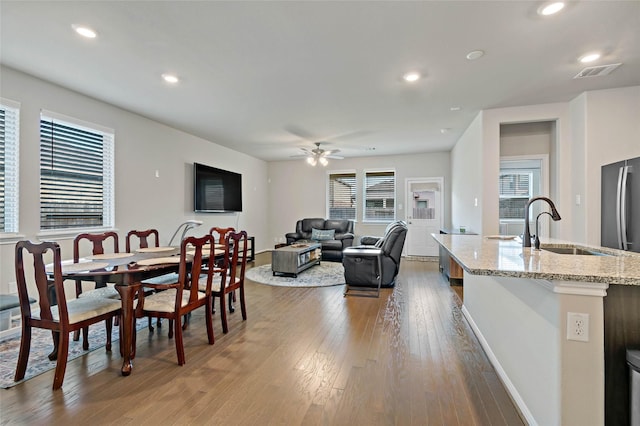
<point x="127" y="271"/>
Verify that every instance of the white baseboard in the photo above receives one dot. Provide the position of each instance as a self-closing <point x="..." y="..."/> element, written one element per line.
<point x="513" y="392"/>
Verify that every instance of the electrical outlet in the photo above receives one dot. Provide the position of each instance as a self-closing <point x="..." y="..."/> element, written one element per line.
<point x="578" y="326"/>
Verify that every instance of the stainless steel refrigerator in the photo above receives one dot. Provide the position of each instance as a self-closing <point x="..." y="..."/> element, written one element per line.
<point x="620" y="226"/>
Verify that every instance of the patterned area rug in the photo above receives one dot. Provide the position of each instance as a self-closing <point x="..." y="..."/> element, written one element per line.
<point x="42" y="345"/>
<point x="323" y="275"/>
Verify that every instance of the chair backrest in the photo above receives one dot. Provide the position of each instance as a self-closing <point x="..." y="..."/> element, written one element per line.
<point x="221" y="233"/>
<point x="143" y="238"/>
<point x="98" y="243"/>
<point x="38" y="251"/>
<point x="201" y="263"/>
<point x="393" y="240"/>
<point x="235" y="252"/>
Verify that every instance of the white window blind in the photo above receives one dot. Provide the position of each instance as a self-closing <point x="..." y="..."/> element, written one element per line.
<point x="515" y="189"/>
<point x="379" y="196"/>
<point x="9" y="140"/>
<point x="342" y="195"/>
<point x="76" y="174"/>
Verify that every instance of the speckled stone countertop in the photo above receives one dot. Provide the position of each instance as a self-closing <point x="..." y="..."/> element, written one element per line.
<point x="488" y="255"/>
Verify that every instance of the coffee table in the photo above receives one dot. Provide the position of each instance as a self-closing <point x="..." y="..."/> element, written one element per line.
<point x="293" y="259"/>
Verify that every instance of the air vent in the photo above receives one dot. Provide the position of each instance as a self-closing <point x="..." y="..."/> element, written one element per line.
<point x="598" y="71"/>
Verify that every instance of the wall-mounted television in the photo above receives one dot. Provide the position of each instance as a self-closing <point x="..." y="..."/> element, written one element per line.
<point x="216" y="190"/>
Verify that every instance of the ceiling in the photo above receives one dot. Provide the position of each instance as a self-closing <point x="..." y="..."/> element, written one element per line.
<point x="266" y="78"/>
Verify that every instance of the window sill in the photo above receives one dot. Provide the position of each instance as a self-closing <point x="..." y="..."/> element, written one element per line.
<point x="10" y="237"/>
<point x="70" y="233"/>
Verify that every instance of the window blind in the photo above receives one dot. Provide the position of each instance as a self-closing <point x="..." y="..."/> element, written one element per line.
<point x="342" y="195"/>
<point x="379" y="196"/>
<point x="9" y="139"/>
<point x="515" y="190"/>
<point x="76" y="176"/>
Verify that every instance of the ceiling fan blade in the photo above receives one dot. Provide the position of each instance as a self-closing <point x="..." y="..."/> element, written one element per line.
<point x="330" y="152"/>
<point x="300" y="156"/>
<point x="350" y="135"/>
<point x="334" y="157"/>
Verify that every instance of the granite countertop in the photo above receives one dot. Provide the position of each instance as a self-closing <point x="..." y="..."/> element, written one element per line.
<point x="488" y="255"/>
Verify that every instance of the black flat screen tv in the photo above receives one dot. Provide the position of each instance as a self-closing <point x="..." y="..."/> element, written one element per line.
<point x="216" y="190"/>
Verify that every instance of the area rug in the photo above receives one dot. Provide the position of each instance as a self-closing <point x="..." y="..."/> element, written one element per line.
<point x="323" y="275"/>
<point x="42" y="345"/>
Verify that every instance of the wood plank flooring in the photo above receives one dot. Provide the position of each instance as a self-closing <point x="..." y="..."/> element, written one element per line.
<point x="304" y="357"/>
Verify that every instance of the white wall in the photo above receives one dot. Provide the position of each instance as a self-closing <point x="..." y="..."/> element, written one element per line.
<point x="467" y="179"/>
<point x="611" y="133"/>
<point x="142" y="146"/>
<point x="298" y="190"/>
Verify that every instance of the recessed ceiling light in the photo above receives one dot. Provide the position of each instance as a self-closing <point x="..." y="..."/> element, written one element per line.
<point x="170" y="78"/>
<point x="84" y="31"/>
<point x="455" y="108"/>
<point x="475" y="54"/>
<point x="444" y="130"/>
<point x="411" y="76"/>
<point x="589" y="57"/>
<point x="551" y="8"/>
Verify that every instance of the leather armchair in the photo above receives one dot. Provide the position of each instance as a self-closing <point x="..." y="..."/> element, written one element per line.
<point x="361" y="269"/>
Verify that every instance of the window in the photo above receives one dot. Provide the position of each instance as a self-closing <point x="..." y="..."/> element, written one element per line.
<point x="9" y="137"/>
<point x="516" y="188"/>
<point x="76" y="174"/>
<point x="342" y="195"/>
<point x="379" y="196"/>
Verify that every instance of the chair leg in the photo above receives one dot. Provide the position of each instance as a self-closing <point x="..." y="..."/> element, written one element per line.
<point x="232" y="298"/>
<point x="85" y="338"/>
<point x="150" y="325"/>
<point x="61" y="364"/>
<point x="76" y="335"/>
<point x="209" y="321"/>
<point x="23" y="357"/>
<point x="243" y="307"/>
<point x="56" y="339"/>
<point x="179" y="341"/>
<point x="171" y="328"/>
<point x="109" y="325"/>
<point x="223" y="314"/>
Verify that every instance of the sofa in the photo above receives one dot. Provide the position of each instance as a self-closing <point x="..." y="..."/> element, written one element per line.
<point x="334" y="235"/>
<point x="361" y="267"/>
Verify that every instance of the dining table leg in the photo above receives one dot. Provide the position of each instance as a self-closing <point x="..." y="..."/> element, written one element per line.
<point x="127" y="295"/>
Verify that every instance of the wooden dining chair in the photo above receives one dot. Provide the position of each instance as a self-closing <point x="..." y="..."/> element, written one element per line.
<point x="190" y="292"/>
<point x="143" y="239"/>
<point x="61" y="319"/>
<point x="231" y="275"/>
<point x="97" y="243"/>
<point x="221" y="233"/>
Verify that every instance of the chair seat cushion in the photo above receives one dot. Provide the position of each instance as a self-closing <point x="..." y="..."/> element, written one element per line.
<point x="108" y="292"/>
<point x="165" y="301"/>
<point x="331" y="245"/>
<point x="215" y="285"/>
<point x="84" y="308"/>
<point x="162" y="279"/>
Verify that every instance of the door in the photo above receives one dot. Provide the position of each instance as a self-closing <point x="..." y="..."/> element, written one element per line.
<point x="424" y="215"/>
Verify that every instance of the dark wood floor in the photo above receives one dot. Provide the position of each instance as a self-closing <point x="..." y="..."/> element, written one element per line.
<point x="304" y="356"/>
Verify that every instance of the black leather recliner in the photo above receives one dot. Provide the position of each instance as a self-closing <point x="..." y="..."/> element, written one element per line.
<point x="361" y="269"/>
<point x="331" y="248"/>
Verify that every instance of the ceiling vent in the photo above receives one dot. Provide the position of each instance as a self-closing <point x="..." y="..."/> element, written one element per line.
<point x="598" y="71"/>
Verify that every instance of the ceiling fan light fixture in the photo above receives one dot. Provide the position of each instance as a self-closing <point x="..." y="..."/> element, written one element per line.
<point x="324" y="161"/>
<point x="312" y="161"/>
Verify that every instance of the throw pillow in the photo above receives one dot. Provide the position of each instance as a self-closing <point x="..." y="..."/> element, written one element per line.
<point x="322" y="234"/>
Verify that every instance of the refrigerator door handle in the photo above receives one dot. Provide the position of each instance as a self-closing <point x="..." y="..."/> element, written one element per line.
<point x="618" y="205"/>
<point x="623" y="209"/>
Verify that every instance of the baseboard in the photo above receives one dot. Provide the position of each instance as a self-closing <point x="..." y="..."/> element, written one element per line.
<point x="511" y="389"/>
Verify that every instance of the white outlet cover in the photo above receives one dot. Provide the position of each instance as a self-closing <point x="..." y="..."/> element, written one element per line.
<point x="578" y="326"/>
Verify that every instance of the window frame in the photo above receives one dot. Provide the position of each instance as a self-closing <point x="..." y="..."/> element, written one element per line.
<point x="514" y="196"/>
<point x="329" y="200"/>
<point x="365" y="182"/>
<point x="10" y="147"/>
<point x="107" y="173"/>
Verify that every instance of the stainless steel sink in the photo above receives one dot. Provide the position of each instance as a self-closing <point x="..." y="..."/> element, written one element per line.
<point x="573" y="251"/>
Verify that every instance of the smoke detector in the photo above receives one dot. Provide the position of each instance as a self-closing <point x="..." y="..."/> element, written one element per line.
<point x="597" y="71"/>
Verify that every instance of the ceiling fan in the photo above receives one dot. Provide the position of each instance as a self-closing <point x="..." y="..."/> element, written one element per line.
<point x="319" y="155"/>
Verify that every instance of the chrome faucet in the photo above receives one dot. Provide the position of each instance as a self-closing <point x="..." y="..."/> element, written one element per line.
<point x="526" y="238"/>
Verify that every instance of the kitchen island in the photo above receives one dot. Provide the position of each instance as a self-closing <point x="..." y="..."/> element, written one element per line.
<point x="518" y="300"/>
